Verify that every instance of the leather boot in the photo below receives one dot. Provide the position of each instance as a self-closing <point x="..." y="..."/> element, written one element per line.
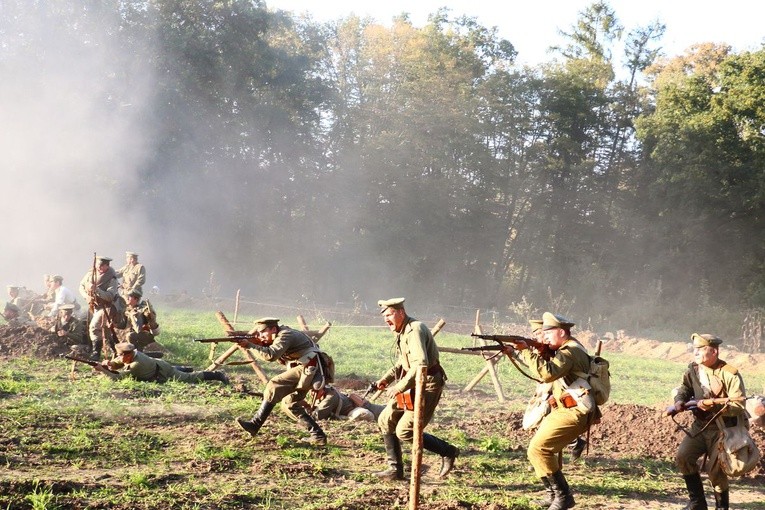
<point x="577" y="448"/>
<point x="563" y="498"/>
<point x="317" y="437"/>
<point x="695" y="492"/>
<point x="395" y="470"/>
<point x="550" y="494"/>
<point x="97" y="347"/>
<point x="215" y="376"/>
<point x="253" y="426"/>
<point x="721" y="500"/>
<point x="440" y="447"/>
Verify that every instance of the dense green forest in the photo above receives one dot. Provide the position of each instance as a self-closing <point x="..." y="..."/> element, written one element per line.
<point x="354" y="160"/>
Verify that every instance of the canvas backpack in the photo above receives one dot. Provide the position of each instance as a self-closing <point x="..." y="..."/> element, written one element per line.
<point x="599" y="377"/>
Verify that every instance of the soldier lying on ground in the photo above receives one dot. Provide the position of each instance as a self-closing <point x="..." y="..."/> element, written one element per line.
<point x="332" y="404"/>
<point x="131" y="363"/>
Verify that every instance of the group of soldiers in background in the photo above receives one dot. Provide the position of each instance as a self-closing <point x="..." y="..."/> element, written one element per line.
<point x="114" y="308"/>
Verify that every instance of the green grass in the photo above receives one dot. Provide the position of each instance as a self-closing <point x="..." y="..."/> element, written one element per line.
<point x="174" y="446"/>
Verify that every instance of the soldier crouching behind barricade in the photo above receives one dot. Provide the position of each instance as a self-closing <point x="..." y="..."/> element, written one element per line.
<point x="306" y="372"/>
<point x="136" y="365"/>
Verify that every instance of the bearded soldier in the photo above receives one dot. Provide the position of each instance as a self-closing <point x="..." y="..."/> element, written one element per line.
<point x="415" y="348"/>
<point x="306" y="371"/>
<point x="133" y="275"/>
<point x="101" y="290"/>
<point x="707" y="377"/>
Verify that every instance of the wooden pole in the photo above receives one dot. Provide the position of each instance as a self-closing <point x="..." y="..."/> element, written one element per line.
<point x="236" y="304"/>
<point x="419" y="424"/>
<point x="302" y="323"/>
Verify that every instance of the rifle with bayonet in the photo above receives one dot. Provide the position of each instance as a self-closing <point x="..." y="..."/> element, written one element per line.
<point x="513" y="340"/>
<point x="88" y="362"/>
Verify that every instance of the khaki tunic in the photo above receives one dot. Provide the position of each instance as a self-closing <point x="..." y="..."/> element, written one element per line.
<point x="141" y="319"/>
<point x="75" y="330"/>
<point x="295" y="349"/>
<point x="692" y="448"/>
<point x="415" y="348"/>
<point x="146" y="368"/>
<point x="561" y="426"/>
<point x="133" y="277"/>
<point x="107" y="289"/>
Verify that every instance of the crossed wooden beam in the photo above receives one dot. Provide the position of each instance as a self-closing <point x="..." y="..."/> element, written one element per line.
<point x="491" y="363"/>
<point x="250" y="359"/>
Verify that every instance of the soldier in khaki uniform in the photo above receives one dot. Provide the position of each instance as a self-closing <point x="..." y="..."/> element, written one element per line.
<point x="707" y="377"/>
<point x="572" y="410"/>
<point x="133" y="275"/>
<point x="306" y="372"/>
<point x="141" y="321"/>
<point x="136" y="365"/>
<point x="415" y="348"/>
<point x="101" y="294"/>
<point x="67" y="325"/>
<point x="332" y="403"/>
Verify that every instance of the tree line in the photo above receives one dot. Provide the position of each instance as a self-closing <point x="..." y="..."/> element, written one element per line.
<point x="351" y="158"/>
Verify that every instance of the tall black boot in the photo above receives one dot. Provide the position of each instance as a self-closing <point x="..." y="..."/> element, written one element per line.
<point x="95" y="348"/>
<point x="318" y="436"/>
<point x="550" y="493"/>
<point x="214" y="376"/>
<point x="695" y="492"/>
<point x="440" y="447"/>
<point x="721" y="500"/>
<point x="563" y="497"/>
<point x="395" y="470"/>
<point x="253" y="426"/>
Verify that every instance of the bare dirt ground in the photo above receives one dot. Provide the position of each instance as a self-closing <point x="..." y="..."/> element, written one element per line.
<point x="626" y="431"/>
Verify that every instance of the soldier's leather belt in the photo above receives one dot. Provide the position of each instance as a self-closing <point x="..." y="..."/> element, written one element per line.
<point x="566" y="400"/>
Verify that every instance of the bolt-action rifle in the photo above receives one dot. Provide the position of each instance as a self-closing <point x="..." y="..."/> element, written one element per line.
<point x="692" y="405"/>
<point x="88" y="362"/>
<point x="253" y="339"/>
<point x="542" y="348"/>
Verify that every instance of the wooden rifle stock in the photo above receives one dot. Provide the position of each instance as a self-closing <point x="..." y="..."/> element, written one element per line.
<point x="707" y="402"/>
<point x="87" y="362"/>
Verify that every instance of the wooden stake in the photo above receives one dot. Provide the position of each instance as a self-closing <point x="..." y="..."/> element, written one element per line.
<point x="236" y="305"/>
<point x="419" y="424"/>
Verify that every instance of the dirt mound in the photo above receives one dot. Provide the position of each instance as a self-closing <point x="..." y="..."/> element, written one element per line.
<point x="34" y="341"/>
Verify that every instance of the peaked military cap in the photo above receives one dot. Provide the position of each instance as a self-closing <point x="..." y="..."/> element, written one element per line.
<point x="131" y="254"/>
<point x="552" y="321"/>
<point x="124" y="347"/>
<point x="105" y="260"/>
<point x="395" y="303"/>
<point x="13" y="287"/>
<point x="66" y="307"/>
<point x="535" y="324"/>
<point x="266" y="322"/>
<point x="704" y="340"/>
<point x="135" y="293"/>
<point x="57" y="278"/>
